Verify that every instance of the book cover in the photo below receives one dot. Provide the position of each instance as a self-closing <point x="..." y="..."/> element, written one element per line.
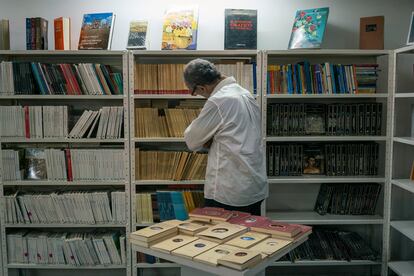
<point x="179" y="30"/>
<point x="240" y="29"/>
<point x="212" y="256"/>
<point x="154" y="232"/>
<point x="247" y="239"/>
<point x="194" y="248"/>
<point x="4" y="34"/>
<point x="371" y="32"/>
<point x="270" y="246"/>
<point x="222" y="232"/>
<point x="313" y="158"/>
<point x="62" y="33"/>
<point x="137" y="36"/>
<point x="277" y="228"/>
<point x="96" y="31"/>
<point x="308" y="28"/>
<point x="35" y="168"/>
<point x="241" y="259"/>
<point x="249" y="221"/>
<point x="173" y="243"/>
<point x="207" y="214"/>
<point x="191" y="228"/>
<point x="236" y="215"/>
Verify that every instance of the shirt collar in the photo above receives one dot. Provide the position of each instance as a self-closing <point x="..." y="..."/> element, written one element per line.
<point x="220" y="85"/>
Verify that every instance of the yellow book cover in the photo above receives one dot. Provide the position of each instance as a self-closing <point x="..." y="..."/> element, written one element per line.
<point x="195" y="248"/>
<point x="173" y="243"/>
<point x="247" y="239"/>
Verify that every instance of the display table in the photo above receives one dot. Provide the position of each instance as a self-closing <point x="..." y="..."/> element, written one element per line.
<point x="193" y="268"/>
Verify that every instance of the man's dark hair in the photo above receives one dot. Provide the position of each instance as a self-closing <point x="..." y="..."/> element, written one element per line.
<point x="200" y="72"/>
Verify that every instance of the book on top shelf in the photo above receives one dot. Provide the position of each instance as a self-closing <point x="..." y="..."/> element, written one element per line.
<point x="240" y="31"/>
<point x="96" y="31"/>
<point x="62" y="33"/>
<point x="371" y="32"/>
<point x="137" y="36"/>
<point x="179" y="30"/>
<point x="36" y="33"/>
<point x="308" y="28"/>
<point x="4" y="34"/>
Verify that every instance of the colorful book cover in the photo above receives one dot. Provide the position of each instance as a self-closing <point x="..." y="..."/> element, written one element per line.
<point x="179" y="30"/>
<point x="96" y="31"/>
<point x="308" y="28"/>
<point x="240" y="31"/>
<point x="137" y="37"/>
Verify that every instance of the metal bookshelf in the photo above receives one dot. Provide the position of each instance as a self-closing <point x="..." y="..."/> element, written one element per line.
<point x="400" y="221"/>
<point x="291" y="198"/>
<point x="117" y="59"/>
<point x="169" y="57"/>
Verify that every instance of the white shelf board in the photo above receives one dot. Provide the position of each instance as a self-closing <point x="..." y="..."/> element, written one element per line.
<point x="60" y="140"/>
<point x="326" y="52"/>
<point x="167" y="96"/>
<point x="404" y="95"/>
<point x="62" y="53"/>
<point x="402" y="268"/>
<point x="168" y="182"/>
<point x="405" y="184"/>
<point x="63" y="183"/>
<point x="198" y="53"/>
<point x="325" y="179"/>
<point x="61" y="97"/>
<point x="315" y="218"/>
<point x="324" y="96"/>
<point x="159" y="140"/>
<point x="327" y="263"/>
<point x="324" y="138"/>
<point x="49" y="266"/>
<point x="407" y="49"/>
<point x="404" y="140"/>
<point x="405" y="227"/>
<point x="157" y="265"/>
<point x="64" y="225"/>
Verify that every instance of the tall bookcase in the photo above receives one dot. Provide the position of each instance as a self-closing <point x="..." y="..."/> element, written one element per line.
<point x="401" y="195"/>
<point x="170" y="57"/>
<point x="292" y="198"/>
<point x="118" y="60"/>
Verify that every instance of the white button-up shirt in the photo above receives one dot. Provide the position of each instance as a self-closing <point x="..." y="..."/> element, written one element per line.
<point x="236" y="168"/>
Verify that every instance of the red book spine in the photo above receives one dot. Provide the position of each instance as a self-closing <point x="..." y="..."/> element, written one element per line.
<point x="68" y="164"/>
<point x="27" y="121"/>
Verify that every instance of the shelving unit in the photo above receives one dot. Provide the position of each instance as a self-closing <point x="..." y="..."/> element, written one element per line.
<point x="400" y="255"/>
<point x="292" y="198"/>
<point x="117" y="60"/>
<point x="182" y="57"/>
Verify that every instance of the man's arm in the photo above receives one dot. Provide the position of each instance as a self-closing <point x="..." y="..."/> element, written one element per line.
<point x="204" y="127"/>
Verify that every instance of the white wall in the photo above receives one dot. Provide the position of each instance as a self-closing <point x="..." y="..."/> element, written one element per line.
<point x="275" y="18"/>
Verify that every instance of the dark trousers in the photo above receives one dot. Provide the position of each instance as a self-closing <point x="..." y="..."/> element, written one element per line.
<point x="253" y="209"/>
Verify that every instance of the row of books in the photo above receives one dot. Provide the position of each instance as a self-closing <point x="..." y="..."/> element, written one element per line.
<point x="347" y="199"/>
<point x="77" y="249"/>
<point x="64" y="164"/>
<point x="169" y="165"/>
<point x="168" y="78"/>
<point x="331" y="245"/>
<point x="69" y="207"/>
<point x="326" y="78"/>
<point x="36" y="33"/>
<point x="165" y="205"/>
<point x="324" y="119"/>
<point x="340" y="159"/>
<point x="34" y="121"/>
<point x="59" y="79"/>
<point x="105" y="123"/>
<point x="167" y="122"/>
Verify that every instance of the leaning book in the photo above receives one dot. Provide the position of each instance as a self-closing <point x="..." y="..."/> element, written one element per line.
<point x="240" y="31"/>
<point x="96" y="31"/>
<point x="137" y="37"/>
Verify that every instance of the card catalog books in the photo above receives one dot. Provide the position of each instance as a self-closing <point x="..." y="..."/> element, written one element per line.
<point x="277" y="228"/>
<point x="241" y="259"/>
<point x="173" y="243"/>
<point x="154" y="232"/>
<point x="247" y="239"/>
<point x="222" y="232"/>
<point x="191" y="228"/>
<point x="210" y="213"/>
<point x="270" y="246"/>
<point x="195" y="248"/>
<point x="212" y="256"/>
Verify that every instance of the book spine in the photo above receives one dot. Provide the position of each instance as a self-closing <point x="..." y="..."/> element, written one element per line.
<point x="69" y="164"/>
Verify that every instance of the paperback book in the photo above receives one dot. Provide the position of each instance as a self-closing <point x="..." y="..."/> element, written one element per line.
<point x="96" y="31"/>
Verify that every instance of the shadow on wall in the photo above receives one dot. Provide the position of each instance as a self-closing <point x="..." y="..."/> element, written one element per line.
<point x="337" y="37"/>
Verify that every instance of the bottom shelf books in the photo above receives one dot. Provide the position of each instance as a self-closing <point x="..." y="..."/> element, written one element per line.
<point x="332" y="245"/>
<point x="77" y="249"/>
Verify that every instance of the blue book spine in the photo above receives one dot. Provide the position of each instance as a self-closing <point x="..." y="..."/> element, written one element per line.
<point x="255" y="78"/>
<point x="161" y="206"/>
<point x="268" y="83"/>
<point x="289" y="75"/>
<point x="178" y="204"/>
<point x="333" y="78"/>
<point x="299" y="78"/>
<point x="28" y="34"/>
<point x="38" y="78"/>
<point x="345" y="79"/>
<point x="308" y="78"/>
<point x="340" y="79"/>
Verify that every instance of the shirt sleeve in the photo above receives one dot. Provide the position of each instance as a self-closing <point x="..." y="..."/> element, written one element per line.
<point x="204" y="127"/>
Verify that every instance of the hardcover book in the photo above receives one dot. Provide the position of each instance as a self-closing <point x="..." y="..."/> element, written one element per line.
<point x="371" y="33"/>
<point x="222" y="232"/>
<point x="308" y="28"/>
<point x="313" y="158"/>
<point x="276" y="228"/>
<point x="236" y="216"/>
<point x="247" y="239"/>
<point x="270" y="246"/>
<point x="212" y="256"/>
<point x="35" y="164"/>
<point x="241" y="259"/>
<point x="209" y="214"/>
<point x="240" y="31"/>
<point x="96" y="31"/>
<point x="137" y="37"/>
<point x="179" y="30"/>
<point x="173" y="243"/>
<point x="195" y="248"/>
<point x="249" y="221"/>
<point x="4" y="34"/>
<point x="62" y="33"/>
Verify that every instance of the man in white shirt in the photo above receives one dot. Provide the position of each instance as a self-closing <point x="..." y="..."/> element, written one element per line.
<point x="229" y="125"/>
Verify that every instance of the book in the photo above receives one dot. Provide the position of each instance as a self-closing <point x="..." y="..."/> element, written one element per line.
<point x="137" y="36"/>
<point x="154" y="232"/>
<point x="62" y="33"/>
<point x="249" y="221"/>
<point x="4" y="34"/>
<point x="210" y="214"/>
<point x="194" y="248"/>
<point x="410" y="37"/>
<point x="96" y="31"/>
<point x="35" y="168"/>
<point x="191" y="228"/>
<point x="222" y="232"/>
<point x="36" y="33"/>
<point x="247" y="239"/>
<point x="241" y="259"/>
<point x="270" y="246"/>
<point x="308" y="28"/>
<point x="313" y="159"/>
<point x="212" y="256"/>
<point x="173" y="243"/>
<point x="276" y="228"/>
<point x="371" y="32"/>
<point x="179" y="30"/>
<point x="240" y="29"/>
